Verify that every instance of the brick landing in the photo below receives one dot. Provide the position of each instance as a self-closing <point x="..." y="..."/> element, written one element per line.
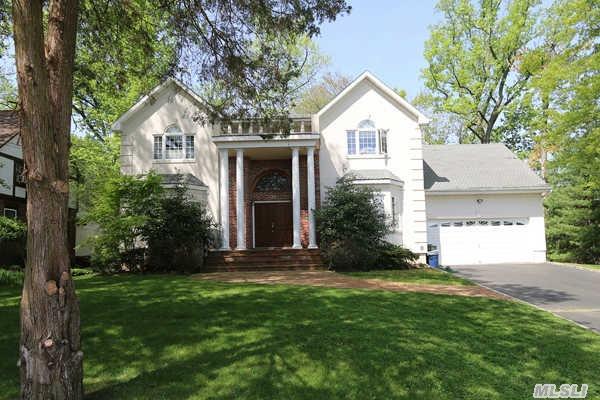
<point x="333" y="280"/>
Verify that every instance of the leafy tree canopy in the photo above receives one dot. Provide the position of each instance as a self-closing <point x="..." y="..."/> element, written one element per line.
<point x="478" y="60"/>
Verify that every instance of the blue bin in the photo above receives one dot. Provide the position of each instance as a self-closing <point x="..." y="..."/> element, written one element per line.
<point x="433" y="260"/>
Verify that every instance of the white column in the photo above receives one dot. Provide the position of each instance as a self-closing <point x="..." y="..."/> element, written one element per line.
<point x="310" y="167"/>
<point x="224" y="197"/>
<point x="240" y="209"/>
<point x="296" y="196"/>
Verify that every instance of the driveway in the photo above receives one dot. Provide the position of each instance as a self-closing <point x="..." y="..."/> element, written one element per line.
<point x="569" y="292"/>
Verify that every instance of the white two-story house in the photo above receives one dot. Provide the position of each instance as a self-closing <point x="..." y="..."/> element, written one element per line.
<point x="473" y="203"/>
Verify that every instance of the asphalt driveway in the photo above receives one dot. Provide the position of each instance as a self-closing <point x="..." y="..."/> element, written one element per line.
<point x="569" y="292"/>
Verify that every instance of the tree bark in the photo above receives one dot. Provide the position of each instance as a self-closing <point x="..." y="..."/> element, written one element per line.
<point x="50" y="351"/>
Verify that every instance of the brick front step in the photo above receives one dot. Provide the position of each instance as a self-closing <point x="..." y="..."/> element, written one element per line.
<point x="264" y="260"/>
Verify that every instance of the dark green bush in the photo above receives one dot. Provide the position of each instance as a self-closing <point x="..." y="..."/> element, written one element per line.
<point x="178" y="233"/>
<point x="392" y="256"/>
<point x="352" y="227"/>
<point x="12" y="241"/>
<point x="144" y="227"/>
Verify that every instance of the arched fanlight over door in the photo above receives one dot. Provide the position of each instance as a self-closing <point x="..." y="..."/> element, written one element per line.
<point x="274" y="181"/>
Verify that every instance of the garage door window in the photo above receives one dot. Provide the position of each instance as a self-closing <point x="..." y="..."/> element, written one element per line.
<point x="481" y="222"/>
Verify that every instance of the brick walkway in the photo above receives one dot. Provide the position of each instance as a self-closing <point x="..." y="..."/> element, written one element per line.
<point x="331" y="279"/>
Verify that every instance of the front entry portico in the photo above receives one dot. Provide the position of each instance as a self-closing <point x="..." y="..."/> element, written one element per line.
<point x="268" y="191"/>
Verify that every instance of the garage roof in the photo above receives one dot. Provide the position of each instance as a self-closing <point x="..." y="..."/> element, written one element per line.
<point x="477" y="168"/>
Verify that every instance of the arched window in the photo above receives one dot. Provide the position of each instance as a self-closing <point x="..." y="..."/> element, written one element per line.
<point x="366" y="139"/>
<point x="273" y="182"/>
<point x="173" y="145"/>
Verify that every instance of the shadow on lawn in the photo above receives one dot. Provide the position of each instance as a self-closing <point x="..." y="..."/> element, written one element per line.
<point x="152" y="338"/>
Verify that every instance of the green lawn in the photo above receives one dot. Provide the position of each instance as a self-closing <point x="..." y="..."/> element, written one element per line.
<point x="166" y="337"/>
<point x="424" y="276"/>
<point x="587" y="266"/>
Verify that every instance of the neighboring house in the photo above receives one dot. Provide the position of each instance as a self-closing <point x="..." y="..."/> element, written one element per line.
<point x="263" y="188"/>
<point x="12" y="185"/>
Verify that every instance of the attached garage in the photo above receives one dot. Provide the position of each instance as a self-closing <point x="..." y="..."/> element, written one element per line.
<point x="484" y="206"/>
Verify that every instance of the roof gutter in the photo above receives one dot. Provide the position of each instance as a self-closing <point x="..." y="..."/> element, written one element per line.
<point x="525" y="190"/>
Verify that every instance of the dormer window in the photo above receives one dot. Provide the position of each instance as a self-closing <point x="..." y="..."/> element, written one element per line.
<point x="173" y="145"/>
<point x="370" y="140"/>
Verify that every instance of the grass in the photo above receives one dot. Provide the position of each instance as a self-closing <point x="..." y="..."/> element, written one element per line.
<point x="428" y="276"/>
<point x="11" y="277"/>
<point x="587" y="266"/>
<point x="169" y="337"/>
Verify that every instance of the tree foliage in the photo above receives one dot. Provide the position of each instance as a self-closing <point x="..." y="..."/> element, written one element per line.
<point x="477" y="60"/>
<point x="571" y="82"/>
<point x="145" y="227"/>
<point x="178" y="232"/>
<point x="319" y="94"/>
<point x="444" y="127"/>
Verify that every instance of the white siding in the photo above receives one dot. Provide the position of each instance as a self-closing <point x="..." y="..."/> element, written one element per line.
<point x="171" y="106"/>
<point x="404" y="157"/>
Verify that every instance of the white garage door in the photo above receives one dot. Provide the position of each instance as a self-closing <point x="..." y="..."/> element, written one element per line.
<point x="481" y="241"/>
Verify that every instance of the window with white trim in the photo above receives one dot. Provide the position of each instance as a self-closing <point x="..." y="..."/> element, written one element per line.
<point x="173" y="145"/>
<point x="351" y="140"/>
<point x="158" y="147"/>
<point x="10" y="213"/>
<point x="189" y="147"/>
<point x="366" y="139"/>
<point x="394" y="212"/>
<point x="382" y="140"/>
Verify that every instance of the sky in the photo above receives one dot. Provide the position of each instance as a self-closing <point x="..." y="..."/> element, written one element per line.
<point x="385" y="37"/>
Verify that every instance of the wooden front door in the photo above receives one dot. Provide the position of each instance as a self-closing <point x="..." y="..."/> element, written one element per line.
<point x="273" y="224"/>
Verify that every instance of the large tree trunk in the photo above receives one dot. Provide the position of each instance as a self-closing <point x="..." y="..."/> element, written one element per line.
<point x="50" y="351"/>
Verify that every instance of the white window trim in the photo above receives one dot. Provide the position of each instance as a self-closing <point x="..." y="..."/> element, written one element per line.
<point x="164" y="159"/>
<point x="14" y="210"/>
<point x="356" y="131"/>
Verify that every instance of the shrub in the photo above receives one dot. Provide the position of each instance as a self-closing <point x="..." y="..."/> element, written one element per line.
<point x="392" y="256"/>
<point x="351" y="226"/>
<point x="120" y="208"/>
<point x="11" y="229"/>
<point x="144" y="227"/>
<point x="178" y="233"/>
<point x="12" y="241"/>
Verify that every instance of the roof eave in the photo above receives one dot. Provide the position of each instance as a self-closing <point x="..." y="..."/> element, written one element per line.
<point x="421" y="119"/>
<point x="117" y="126"/>
<point x="507" y="190"/>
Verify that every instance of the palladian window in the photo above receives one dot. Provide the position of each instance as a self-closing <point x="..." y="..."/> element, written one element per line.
<point x="173" y="145"/>
<point x="366" y="139"/>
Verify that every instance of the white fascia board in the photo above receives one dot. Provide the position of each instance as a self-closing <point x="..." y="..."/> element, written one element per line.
<point x="118" y="124"/>
<point x="422" y="119"/>
<point x="534" y="190"/>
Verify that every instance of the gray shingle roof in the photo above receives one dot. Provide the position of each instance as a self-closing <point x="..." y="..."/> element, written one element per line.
<point x="9" y="126"/>
<point x="188" y="179"/>
<point x="476" y="167"/>
<point x="373" y="175"/>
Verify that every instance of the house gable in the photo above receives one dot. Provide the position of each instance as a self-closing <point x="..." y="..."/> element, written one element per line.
<point x="347" y="95"/>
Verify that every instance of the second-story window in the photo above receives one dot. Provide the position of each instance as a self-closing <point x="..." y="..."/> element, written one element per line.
<point x="366" y="139"/>
<point x="173" y="145"/>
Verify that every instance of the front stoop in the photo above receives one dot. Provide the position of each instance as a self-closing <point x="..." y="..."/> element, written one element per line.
<point x="279" y="259"/>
